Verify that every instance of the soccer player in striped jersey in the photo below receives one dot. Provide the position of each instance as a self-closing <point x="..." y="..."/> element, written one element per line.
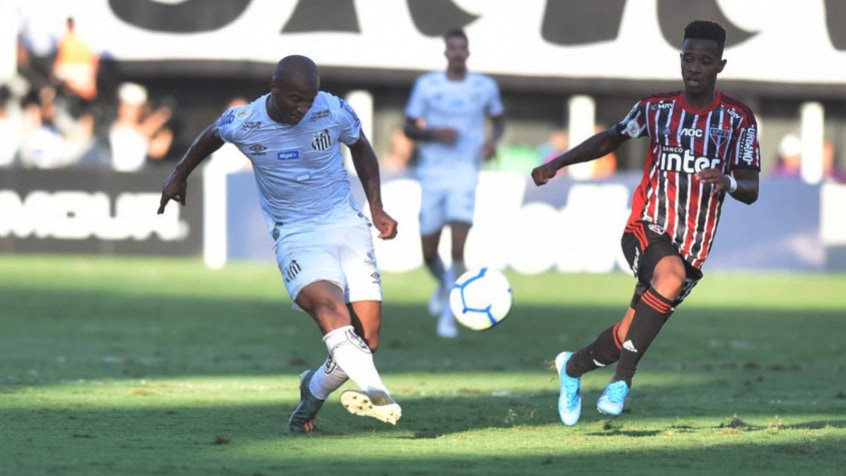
<point x="292" y="136"/>
<point x="703" y="148"/>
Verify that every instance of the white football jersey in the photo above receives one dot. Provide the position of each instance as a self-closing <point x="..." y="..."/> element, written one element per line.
<point x="461" y="105"/>
<point x="299" y="169"/>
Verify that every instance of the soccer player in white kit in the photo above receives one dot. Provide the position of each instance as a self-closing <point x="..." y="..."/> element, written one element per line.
<point x="323" y="243"/>
<point x="446" y="113"/>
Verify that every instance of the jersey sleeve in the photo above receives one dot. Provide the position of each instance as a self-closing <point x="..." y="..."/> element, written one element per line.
<point x="746" y="153"/>
<point x="416" y="106"/>
<point x="494" y="106"/>
<point x="634" y="124"/>
<point x="348" y="123"/>
<point x="225" y="123"/>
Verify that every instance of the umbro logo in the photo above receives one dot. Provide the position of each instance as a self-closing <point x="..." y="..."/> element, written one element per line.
<point x="257" y="149"/>
<point x="628" y="345"/>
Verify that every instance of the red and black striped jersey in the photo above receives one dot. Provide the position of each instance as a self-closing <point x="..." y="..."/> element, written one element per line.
<point x="684" y="141"/>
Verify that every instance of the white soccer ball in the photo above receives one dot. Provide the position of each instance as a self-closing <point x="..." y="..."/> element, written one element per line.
<point x="480" y="298"/>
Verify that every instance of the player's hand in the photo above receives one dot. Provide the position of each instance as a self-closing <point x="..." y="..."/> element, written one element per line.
<point x="489" y="149"/>
<point x="543" y="174"/>
<point x="383" y="222"/>
<point x="173" y="188"/>
<point x="446" y="135"/>
<point x="715" y="177"/>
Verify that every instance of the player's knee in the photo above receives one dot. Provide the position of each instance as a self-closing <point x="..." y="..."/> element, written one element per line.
<point x="668" y="278"/>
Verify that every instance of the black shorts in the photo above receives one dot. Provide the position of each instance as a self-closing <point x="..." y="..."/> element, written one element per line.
<point x="644" y="245"/>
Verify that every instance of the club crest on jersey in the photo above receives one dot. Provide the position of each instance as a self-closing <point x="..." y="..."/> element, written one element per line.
<point x="657" y="229"/>
<point x="719" y="135"/>
<point x="321" y="140"/>
<point x="292" y="270"/>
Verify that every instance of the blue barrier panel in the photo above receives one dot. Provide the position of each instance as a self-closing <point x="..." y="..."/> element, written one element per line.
<point x="567" y="225"/>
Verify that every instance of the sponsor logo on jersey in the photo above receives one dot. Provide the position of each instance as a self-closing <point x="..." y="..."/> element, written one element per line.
<point x="691" y="132"/>
<point x="747" y="145"/>
<point x="319" y="115"/>
<point x="292" y="270"/>
<point x="242" y="113"/>
<point x="679" y="159"/>
<point x="733" y="113"/>
<point x="226" y="119"/>
<point x="251" y="125"/>
<point x="257" y="149"/>
<point x="662" y="105"/>
<point x="322" y="140"/>
<point x="290" y="154"/>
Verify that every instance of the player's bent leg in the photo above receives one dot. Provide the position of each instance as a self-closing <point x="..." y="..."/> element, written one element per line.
<point x="302" y="420"/>
<point x="569" y="398"/>
<point x="669" y="276"/>
<point x="366" y="319"/>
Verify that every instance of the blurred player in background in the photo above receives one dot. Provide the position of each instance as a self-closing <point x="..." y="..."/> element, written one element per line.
<point x="704" y="146"/>
<point x="446" y="114"/>
<point x="324" y="249"/>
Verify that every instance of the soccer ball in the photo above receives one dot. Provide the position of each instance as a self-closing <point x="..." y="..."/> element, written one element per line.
<point x="480" y="298"/>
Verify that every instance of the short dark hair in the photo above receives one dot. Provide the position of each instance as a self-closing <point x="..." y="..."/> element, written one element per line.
<point x="456" y="33"/>
<point x="707" y="30"/>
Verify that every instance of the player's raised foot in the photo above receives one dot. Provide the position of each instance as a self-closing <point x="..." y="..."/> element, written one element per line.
<point x="437" y="300"/>
<point x="372" y="403"/>
<point x="613" y="399"/>
<point x="447" y="328"/>
<point x="302" y="420"/>
<point x="570" y="398"/>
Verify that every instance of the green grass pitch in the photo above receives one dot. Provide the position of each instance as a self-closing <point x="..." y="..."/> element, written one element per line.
<point x="158" y="366"/>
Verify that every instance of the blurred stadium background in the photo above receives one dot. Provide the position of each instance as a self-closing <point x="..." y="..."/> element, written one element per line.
<point x="95" y="111"/>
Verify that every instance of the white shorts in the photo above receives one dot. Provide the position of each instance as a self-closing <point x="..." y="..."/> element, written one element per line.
<point x="336" y="248"/>
<point x="441" y="203"/>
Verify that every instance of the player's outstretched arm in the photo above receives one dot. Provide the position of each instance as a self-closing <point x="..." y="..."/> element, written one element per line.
<point x="367" y="166"/>
<point x="175" y="186"/>
<point x="594" y="147"/>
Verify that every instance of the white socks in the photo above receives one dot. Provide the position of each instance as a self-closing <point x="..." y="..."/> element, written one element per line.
<point x="328" y="378"/>
<point x="353" y="356"/>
